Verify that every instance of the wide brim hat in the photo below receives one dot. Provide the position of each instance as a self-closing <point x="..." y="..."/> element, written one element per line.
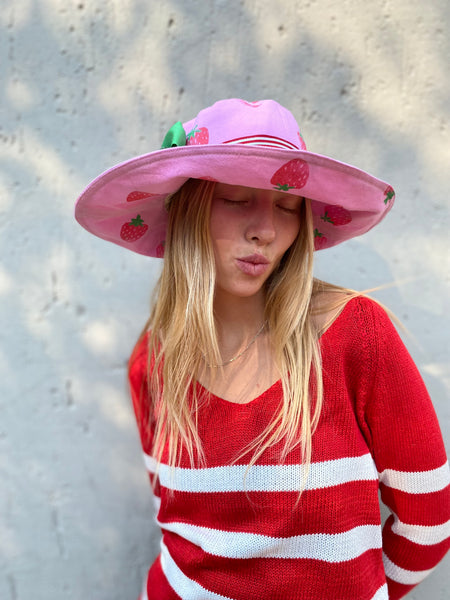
<point x="252" y="144"/>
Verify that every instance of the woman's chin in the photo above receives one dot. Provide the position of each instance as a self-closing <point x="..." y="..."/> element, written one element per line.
<point x="244" y="291"/>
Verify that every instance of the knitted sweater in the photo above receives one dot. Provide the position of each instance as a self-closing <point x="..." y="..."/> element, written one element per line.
<point x="233" y="534"/>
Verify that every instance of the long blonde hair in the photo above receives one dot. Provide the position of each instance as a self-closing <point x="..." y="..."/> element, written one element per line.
<point x="182" y="332"/>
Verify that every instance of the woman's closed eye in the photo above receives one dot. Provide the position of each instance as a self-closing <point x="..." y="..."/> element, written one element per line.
<point x="292" y="210"/>
<point x="233" y="201"/>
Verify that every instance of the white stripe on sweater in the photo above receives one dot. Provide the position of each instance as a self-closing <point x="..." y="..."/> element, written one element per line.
<point x="382" y="593"/>
<point x="185" y="587"/>
<point x="402" y="575"/>
<point x="144" y="595"/>
<point x="421" y="482"/>
<point x="328" y="547"/>
<point x="264" y="478"/>
<point x="188" y="589"/>
<point x="156" y="504"/>
<point x="425" y="535"/>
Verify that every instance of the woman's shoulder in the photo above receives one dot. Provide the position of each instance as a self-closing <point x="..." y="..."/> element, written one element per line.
<point x="345" y="309"/>
<point x="138" y="361"/>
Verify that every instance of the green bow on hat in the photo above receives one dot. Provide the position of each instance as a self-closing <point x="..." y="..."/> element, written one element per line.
<point x="176" y="136"/>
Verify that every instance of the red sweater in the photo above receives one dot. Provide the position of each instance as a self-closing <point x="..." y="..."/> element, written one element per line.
<point x="231" y="536"/>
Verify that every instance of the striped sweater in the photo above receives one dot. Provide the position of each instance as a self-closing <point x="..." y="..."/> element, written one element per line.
<point x="233" y="534"/>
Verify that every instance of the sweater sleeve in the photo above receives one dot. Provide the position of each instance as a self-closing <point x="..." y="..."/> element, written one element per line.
<point x="138" y="382"/>
<point x="137" y="378"/>
<point x="406" y="443"/>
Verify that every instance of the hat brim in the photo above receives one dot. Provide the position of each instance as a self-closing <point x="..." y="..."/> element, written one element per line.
<point x="346" y="201"/>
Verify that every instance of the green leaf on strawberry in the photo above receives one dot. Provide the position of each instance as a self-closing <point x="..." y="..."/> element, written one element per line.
<point x="197" y="136"/>
<point x="389" y="194"/>
<point x="133" y="230"/>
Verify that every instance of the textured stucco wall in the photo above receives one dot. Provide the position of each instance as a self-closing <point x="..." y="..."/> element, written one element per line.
<point x="87" y="84"/>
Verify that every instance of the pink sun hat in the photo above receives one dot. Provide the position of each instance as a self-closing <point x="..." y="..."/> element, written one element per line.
<point x="252" y="144"/>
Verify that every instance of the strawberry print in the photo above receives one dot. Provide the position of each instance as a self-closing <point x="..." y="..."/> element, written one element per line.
<point x="301" y="140"/>
<point x="389" y="194"/>
<point x="133" y="196"/>
<point x="292" y="175"/>
<point x="133" y="230"/>
<point x="197" y="136"/>
<point x="320" y="241"/>
<point x="336" y="215"/>
<point x="160" y="250"/>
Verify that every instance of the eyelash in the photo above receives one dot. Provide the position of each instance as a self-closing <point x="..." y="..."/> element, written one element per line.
<point x="231" y="201"/>
<point x="291" y="211"/>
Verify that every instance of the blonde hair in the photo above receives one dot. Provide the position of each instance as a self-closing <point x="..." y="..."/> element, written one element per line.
<point x="182" y="332"/>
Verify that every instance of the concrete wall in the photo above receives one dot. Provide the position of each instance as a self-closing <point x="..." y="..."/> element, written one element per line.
<point x="87" y="84"/>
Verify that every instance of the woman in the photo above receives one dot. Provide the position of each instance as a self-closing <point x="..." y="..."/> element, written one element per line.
<point x="272" y="407"/>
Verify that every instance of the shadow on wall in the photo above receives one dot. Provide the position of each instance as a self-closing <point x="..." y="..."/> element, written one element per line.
<point x="84" y="87"/>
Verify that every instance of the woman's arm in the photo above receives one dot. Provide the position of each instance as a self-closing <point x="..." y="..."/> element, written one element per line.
<point x="409" y="453"/>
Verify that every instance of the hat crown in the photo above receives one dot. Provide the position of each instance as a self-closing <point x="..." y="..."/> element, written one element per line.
<point x="235" y="121"/>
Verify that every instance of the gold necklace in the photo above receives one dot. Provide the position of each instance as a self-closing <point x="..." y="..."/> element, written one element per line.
<point x="252" y="341"/>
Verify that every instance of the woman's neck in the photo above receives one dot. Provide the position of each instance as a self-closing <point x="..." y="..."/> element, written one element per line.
<point x="235" y="314"/>
<point x="237" y="321"/>
<point x="244" y="347"/>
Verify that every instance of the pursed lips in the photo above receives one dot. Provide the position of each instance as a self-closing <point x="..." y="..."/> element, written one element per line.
<point x="253" y="264"/>
<point x="256" y="259"/>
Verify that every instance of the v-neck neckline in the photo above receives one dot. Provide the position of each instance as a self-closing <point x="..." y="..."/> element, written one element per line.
<point x="255" y="400"/>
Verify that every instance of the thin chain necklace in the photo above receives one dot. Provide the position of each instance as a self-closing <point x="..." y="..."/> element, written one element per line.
<point x="252" y="341"/>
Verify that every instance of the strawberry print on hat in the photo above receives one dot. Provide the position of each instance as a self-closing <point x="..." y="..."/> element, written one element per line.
<point x="133" y="230"/>
<point x="336" y="215"/>
<point x="320" y="241"/>
<point x="197" y="136"/>
<point x="136" y="195"/>
<point x="293" y="175"/>
<point x="389" y="194"/>
<point x="160" y="249"/>
<point x="301" y="140"/>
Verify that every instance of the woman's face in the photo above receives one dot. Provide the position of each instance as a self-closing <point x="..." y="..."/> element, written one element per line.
<point x="251" y="229"/>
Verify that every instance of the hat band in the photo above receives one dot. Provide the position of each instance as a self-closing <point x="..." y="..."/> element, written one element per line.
<point x="264" y="140"/>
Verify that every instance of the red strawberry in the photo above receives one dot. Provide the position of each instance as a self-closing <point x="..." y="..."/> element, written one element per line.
<point x="292" y="175"/>
<point x="336" y="215"/>
<point x="389" y="194"/>
<point x="133" y="230"/>
<point x="133" y="196"/>
<point x="320" y="241"/>
<point x="160" y="250"/>
<point x="302" y="141"/>
<point x="197" y="136"/>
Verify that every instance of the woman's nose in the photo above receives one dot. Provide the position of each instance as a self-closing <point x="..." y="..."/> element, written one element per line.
<point x="261" y="226"/>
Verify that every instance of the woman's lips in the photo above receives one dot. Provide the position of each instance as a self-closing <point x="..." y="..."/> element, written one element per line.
<point x="254" y="264"/>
